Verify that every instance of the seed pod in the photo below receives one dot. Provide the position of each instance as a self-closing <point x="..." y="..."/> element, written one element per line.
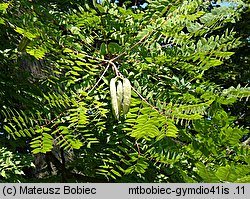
<point x="126" y="95"/>
<point x="119" y="94"/>
<point x="114" y="98"/>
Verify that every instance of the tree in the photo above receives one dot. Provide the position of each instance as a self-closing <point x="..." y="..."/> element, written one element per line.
<point x="183" y="124"/>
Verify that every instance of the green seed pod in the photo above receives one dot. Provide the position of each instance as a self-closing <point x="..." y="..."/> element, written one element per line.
<point x="114" y="98"/>
<point x="119" y="94"/>
<point x="126" y="95"/>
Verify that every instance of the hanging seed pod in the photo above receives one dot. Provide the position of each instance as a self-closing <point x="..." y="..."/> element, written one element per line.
<point x="114" y="98"/>
<point x="119" y="94"/>
<point x="126" y="95"/>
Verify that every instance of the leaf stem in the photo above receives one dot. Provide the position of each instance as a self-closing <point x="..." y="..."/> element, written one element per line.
<point x="99" y="79"/>
<point x="144" y="99"/>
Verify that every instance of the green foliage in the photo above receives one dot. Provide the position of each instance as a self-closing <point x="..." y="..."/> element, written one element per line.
<point x="11" y="166"/>
<point x="57" y="59"/>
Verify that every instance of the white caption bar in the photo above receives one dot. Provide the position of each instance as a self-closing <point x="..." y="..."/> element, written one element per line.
<point x="124" y="190"/>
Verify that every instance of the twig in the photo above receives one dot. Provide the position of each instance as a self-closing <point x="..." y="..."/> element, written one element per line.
<point x="246" y="142"/>
<point x="51" y="121"/>
<point x="104" y="60"/>
<point x="136" y="1"/>
<point x="96" y="58"/>
<point x="136" y="44"/>
<point x="144" y="99"/>
<point x="138" y="148"/>
<point x="99" y="79"/>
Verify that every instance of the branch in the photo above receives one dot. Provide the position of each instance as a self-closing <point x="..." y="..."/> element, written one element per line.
<point x="246" y="142"/>
<point x="104" y="60"/>
<point x="136" y="44"/>
<point x="144" y="99"/>
<point x="98" y="80"/>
